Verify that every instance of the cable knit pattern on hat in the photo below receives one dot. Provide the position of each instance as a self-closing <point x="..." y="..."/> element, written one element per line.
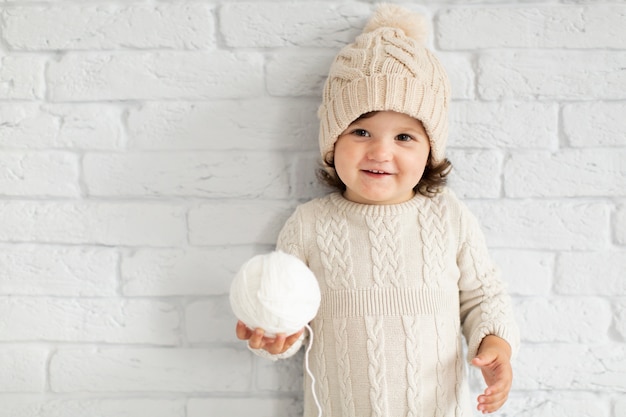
<point x="387" y="67"/>
<point x="388" y="344"/>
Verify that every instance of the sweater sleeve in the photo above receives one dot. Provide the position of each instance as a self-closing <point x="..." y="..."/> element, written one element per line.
<point x="289" y="241"/>
<point x="290" y="237"/>
<point x="485" y="305"/>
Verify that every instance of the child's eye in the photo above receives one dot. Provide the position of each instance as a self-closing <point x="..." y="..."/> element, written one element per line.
<point x="361" y="132"/>
<point x="403" y="137"/>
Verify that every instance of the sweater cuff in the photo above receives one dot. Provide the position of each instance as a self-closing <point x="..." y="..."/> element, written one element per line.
<point x="293" y="349"/>
<point x="509" y="333"/>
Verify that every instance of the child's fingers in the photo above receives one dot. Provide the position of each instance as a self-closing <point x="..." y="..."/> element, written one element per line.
<point x="494" y="397"/>
<point x="292" y="338"/>
<point x="484" y="359"/>
<point x="243" y="332"/>
<point x="491" y="403"/>
<point x="276" y="345"/>
<point x="256" y="339"/>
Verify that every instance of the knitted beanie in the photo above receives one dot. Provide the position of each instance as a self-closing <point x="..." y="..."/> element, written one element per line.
<point x="387" y="67"/>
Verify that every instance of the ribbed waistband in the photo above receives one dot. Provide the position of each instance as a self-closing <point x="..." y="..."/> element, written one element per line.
<point x="387" y="301"/>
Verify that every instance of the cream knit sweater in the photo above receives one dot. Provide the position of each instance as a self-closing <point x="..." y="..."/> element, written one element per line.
<point x="400" y="285"/>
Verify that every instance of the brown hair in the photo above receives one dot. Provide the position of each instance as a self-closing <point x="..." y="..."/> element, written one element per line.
<point x="432" y="182"/>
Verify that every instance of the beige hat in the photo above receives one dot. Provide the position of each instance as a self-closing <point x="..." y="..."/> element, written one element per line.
<point x="388" y="67"/>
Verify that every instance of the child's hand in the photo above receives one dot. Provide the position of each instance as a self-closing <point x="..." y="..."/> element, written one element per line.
<point x="494" y="360"/>
<point x="257" y="340"/>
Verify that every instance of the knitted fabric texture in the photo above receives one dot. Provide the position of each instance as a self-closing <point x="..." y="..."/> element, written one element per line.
<point x="401" y="285"/>
<point x="388" y="67"/>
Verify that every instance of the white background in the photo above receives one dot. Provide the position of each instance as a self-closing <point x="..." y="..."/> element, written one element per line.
<point x="148" y="148"/>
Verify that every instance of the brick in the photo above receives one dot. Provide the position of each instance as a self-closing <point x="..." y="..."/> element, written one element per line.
<point x="87" y="126"/>
<point x="192" y="271"/>
<point x="40" y="174"/>
<point x="58" y="271"/>
<point x="568" y="173"/>
<point x="537" y="26"/>
<point x="613" y="357"/>
<point x="88" y="320"/>
<point x="211" y="321"/>
<point x="460" y="71"/>
<point x="237" y="223"/>
<point x="556" y="403"/>
<point x="92" y="76"/>
<point x="298" y="73"/>
<point x="187" y="174"/>
<point x="20" y="405"/>
<point x="545" y="224"/>
<point x="259" y="407"/>
<point x="619" y="225"/>
<point x="475" y="124"/>
<point x="38" y="405"/>
<point x="577" y="273"/>
<point x="595" y="124"/>
<point x="620" y="318"/>
<point x="251" y="124"/>
<point x="285" y="376"/>
<point x="84" y="126"/>
<point x="150" y="370"/>
<point x="476" y="174"/>
<point x="303" y="168"/>
<point x="23" y="369"/>
<point x="313" y="24"/>
<point x="564" y="319"/>
<point x="22" y="77"/>
<point x="527" y="273"/>
<point x="114" y="407"/>
<point x="107" y="223"/>
<point x="559" y="367"/>
<point x="184" y="26"/>
<point x="539" y="75"/>
<point x="620" y="406"/>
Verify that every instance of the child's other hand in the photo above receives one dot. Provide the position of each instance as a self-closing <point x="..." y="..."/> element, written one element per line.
<point x="494" y="360"/>
<point x="257" y="340"/>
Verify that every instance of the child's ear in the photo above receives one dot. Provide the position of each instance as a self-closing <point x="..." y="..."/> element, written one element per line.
<point x="329" y="159"/>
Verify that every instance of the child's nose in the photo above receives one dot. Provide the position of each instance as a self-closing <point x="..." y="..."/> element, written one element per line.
<point x="380" y="150"/>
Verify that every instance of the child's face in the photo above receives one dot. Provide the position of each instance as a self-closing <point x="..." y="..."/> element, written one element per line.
<point x="381" y="158"/>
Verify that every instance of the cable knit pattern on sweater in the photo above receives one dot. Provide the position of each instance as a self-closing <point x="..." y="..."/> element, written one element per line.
<point x="401" y="285"/>
<point x="336" y="250"/>
<point x="414" y="400"/>
<point x="343" y="367"/>
<point x="385" y="252"/>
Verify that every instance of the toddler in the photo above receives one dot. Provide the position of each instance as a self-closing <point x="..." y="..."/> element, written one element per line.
<point x="402" y="264"/>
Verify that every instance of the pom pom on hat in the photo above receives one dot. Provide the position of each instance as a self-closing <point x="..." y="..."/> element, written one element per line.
<point x="276" y="292"/>
<point x="413" y="25"/>
<point x="387" y="67"/>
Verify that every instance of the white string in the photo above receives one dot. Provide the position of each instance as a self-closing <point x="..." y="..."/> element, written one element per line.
<point x="308" y="370"/>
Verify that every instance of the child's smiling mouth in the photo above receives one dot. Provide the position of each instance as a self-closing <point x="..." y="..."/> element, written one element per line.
<point x="376" y="172"/>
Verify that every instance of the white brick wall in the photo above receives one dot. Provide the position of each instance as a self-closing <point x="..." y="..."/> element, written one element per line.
<point x="148" y="148"/>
